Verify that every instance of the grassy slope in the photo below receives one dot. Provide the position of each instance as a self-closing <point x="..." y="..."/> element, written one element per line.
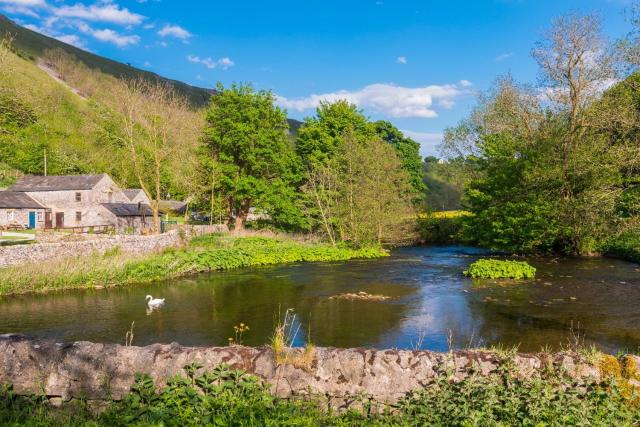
<point x="66" y="125"/>
<point x="34" y="44"/>
<point x="208" y="253"/>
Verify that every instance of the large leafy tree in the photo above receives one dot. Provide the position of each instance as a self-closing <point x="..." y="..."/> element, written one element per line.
<point x="321" y="136"/>
<point x="258" y="167"/>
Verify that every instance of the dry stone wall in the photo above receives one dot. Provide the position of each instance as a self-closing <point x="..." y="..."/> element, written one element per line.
<point x="343" y="376"/>
<point x="21" y="254"/>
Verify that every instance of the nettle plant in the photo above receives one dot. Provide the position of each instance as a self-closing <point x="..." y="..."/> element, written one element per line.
<point x="498" y="269"/>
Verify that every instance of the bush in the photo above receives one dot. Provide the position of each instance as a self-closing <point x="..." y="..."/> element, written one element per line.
<point x="625" y="246"/>
<point x="496" y="269"/>
<point x="442" y="227"/>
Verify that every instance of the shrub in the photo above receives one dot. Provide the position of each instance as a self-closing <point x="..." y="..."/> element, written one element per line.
<point x="625" y="246"/>
<point x="441" y="227"/>
<point x="497" y="269"/>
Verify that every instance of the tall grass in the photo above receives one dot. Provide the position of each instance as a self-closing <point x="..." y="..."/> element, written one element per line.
<point x="203" y="254"/>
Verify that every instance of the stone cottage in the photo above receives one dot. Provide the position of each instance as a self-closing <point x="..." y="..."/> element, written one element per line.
<point x="81" y="202"/>
<point x="137" y="195"/>
<point x="130" y="218"/>
<point x="19" y="211"/>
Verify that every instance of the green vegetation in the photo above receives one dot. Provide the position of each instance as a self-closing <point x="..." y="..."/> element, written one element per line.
<point x="498" y="269"/>
<point x="442" y="227"/>
<point x="203" y="254"/>
<point x="357" y="189"/>
<point x="625" y="246"/>
<point x="233" y="398"/>
<point x="250" y="160"/>
<point x="559" y="172"/>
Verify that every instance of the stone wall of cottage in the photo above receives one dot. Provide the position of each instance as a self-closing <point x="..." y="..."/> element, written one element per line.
<point x="22" y="254"/>
<point x="21" y="217"/>
<point x="344" y="377"/>
<point x="91" y="213"/>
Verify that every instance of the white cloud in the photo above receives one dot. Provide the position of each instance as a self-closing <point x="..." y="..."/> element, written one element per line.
<point x="20" y="10"/>
<point x="388" y="99"/>
<point x="147" y="64"/>
<point x="226" y="63"/>
<point x="174" y="31"/>
<point x="211" y="63"/>
<point x="401" y="60"/>
<point x="149" y="26"/>
<point x="109" y="36"/>
<point x="25" y="3"/>
<point x="100" y="12"/>
<point x="504" y="56"/>
<point x="465" y="83"/>
<point x="428" y="141"/>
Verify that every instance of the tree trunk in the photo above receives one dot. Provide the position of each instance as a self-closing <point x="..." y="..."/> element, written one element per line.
<point x="156" y="209"/>
<point x="241" y="217"/>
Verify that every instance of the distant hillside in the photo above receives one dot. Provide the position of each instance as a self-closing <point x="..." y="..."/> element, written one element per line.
<point x="31" y="45"/>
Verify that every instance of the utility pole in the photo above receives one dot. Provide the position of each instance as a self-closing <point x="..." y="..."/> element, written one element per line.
<point x="45" y="162"/>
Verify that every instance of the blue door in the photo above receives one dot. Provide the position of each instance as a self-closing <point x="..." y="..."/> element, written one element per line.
<point x="32" y="220"/>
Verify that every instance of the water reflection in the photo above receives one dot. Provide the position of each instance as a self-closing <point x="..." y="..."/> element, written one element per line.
<point x="432" y="305"/>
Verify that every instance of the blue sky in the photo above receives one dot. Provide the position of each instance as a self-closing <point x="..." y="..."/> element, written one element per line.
<point x="418" y="64"/>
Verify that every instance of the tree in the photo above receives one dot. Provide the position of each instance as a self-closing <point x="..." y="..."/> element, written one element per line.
<point x="156" y="130"/>
<point x="258" y="166"/>
<point x="362" y="194"/>
<point x="408" y="150"/>
<point x="320" y="136"/>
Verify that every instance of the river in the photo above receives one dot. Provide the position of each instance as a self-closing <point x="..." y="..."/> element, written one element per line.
<point x="432" y="305"/>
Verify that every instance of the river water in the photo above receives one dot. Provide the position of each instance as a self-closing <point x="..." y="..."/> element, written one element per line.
<point x="432" y="306"/>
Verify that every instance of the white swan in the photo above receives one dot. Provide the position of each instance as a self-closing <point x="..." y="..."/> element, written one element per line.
<point x="154" y="303"/>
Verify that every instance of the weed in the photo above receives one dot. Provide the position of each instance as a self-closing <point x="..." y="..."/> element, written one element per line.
<point x="497" y="269"/>
<point x="128" y="337"/>
<point x="283" y="340"/>
<point x="239" y="330"/>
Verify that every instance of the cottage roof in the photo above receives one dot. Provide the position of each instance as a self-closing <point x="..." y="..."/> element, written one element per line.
<point x="131" y="193"/>
<point x="57" y="183"/>
<point x="13" y="200"/>
<point x="128" y="209"/>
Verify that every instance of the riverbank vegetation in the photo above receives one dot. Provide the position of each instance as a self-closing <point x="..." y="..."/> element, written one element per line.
<point x="442" y="227"/>
<point x="498" y="269"/>
<point x="231" y="397"/>
<point x="202" y="254"/>
<point x="556" y="167"/>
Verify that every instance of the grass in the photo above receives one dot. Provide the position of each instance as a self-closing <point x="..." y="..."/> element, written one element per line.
<point x="497" y="269"/>
<point x="282" y="344"/>
<point x="208" y="253"/>
<point x="229" y="397"/>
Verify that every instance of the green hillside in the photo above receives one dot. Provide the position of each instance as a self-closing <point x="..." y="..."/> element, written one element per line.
<point x="33" y="44"/>
<point x="46" y="117"/>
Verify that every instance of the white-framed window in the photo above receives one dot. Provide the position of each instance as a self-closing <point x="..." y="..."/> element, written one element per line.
<point x="78" y="197"/>
<point x="39" y="216"/>
<point x="78" y="216"/>
<point x="11" y="215"/>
